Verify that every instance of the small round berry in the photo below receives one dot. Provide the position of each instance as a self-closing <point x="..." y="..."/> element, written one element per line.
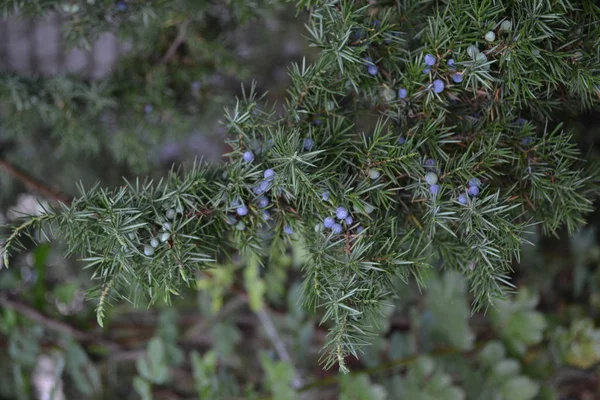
<point x="388" y="94"/>
<point x="148" y="108"/>
<point x="269" y="174"/>
<point x="336" y="229"/>
<point x="374" y="173"/>
<point x="325" y="195"/>
<point x="431" y="178"/>
<point x="319" y="227"/>
<point x="430" y="162"/>
<point x="257" y="190"/>
<point x="165" y="236"/>
<point x="434" y="189"/>
<point x="438" y="86"/>
<point x="171" y="213"/>
<point x="288" y="230"/>
<point x="154" y="242"/>
<point x="426" y="71"/>
<point x="430" y="59"/>
<point x="263" y="186"/>
<point x="402" y="93"/>
<point x="369" y="209"/>
<point x="521" y="121"/>
<point x="506" y="25"/>
<point x="490" y="36"/>
<point x="308" y="144"/>
<point x="341" y="213"/>
<point x="317" y="121"/>
<point x="473" y="190"/>
<point x="480" y="57"/>
<point x="240" y="226"/>
<point x="373" y="70"/>
<point x="359" y="229"/>
<point x="474" y="182"/>
<point x="230" y="220"/>
<point x="148" y="250"/>
<point x="121" y="6"/>
<point x="328" y="222"/>
<point x="401" y="140"/>
<point x="349" y="220"/>
<point x="526" y="141"/>
<point x="451" y="63"/>
<point x="263" y="202"/>
<point x="266" y="214"/>
<point x="167" y="226"/>
<point x="472" y="51"/>
<point x="241" y="211"/>
<point x="248" y="156"/>
<point x="457" y="77"/>
<point x="462" y="199"/>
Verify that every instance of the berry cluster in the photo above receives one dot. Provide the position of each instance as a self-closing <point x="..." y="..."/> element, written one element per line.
<point x="165" y="233"/>
<point x="343" y="219"/>
<point x="473" y="190"/>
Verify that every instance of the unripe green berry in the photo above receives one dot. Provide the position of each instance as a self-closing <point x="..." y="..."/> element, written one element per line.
<point x="148" y="250"/>
<point x="154" y="242"/>
<point x="374" y="174"/>
<point x="388" y="94"/>
<point x="431" y="178"/>
<point x="490" y="36"/>
<point x="170" y="214"/>
<point x="240" y="226"/>
<point x="165" y="236"/>
<point x="506" y="25"/>
<point x="472" y="51"/>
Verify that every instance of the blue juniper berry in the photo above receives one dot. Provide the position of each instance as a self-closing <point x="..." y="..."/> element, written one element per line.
<point x="248" y="156"/>
<point x="451" y="63"/>
<point x="263" y="202"/>
<point x="121" y="6"/>
<point x="462" y="199"/>
<point x="475" y="182"/>
<point x="401" y="140"/>
<point x="526" y="141"/>
<point x="457" y="77"/>
<point x="269" y="174"/>
<point x="328" y="222"/>
<point x="438" y="86"/>
<point x="434" y="189"/>
<point x="148" y="108"/>
<point x="308" y="144"/>
<point x="241" y="211"/>
<point x="402" y="93"/>
<point x="341" y="213"/>
<point x="359" y="229"/>
<point x="325" y="195"/>
<point x="288" y="230"/>
<point x="336" y="229"/>
<point x="473" y="191"/>
<point x="430" y="59"/>
<point x="266" y="215"/>
<point x="349" y="220"/>
<point x="430" y="162"/>
<point x="426" y="71"/>
<point x="373" y="69"/>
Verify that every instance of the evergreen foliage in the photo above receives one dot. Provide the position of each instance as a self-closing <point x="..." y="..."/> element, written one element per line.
<point x="495" y="113"/>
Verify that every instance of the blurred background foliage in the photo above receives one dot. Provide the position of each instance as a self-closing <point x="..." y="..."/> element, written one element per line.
<point x="241" y="331"/>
